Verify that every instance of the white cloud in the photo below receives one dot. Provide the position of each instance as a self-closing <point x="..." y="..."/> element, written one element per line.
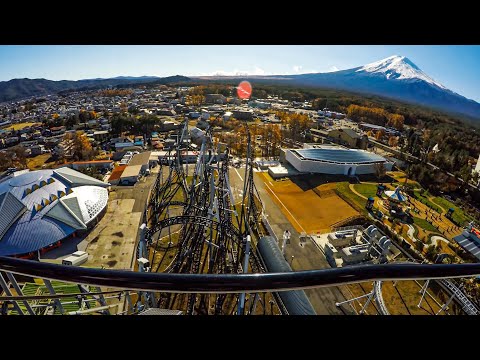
<point x="236" y="72"/>
<point x="258" y="71"/>
<point x="297" y="68"/>
<point x="333" y="68"/>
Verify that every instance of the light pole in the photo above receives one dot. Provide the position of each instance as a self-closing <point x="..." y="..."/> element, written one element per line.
<point x="291" y="263"/>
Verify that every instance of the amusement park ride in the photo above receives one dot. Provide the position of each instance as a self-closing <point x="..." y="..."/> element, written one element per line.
<point x="199" y="252"/>
<point x="194" y="225"/>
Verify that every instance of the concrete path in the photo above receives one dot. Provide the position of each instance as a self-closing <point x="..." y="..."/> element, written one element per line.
<point x="436" y="239"/>
<point x="351" y="186"/>
<point x="410" y="232"/>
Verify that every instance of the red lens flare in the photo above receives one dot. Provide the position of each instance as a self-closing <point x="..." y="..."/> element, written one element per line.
<point x="244" y="90"/>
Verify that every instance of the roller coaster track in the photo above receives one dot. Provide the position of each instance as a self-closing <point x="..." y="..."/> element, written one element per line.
<point x="189" y="219"/>
<point x="382" y="308"/>
<point x="467" y="305"/>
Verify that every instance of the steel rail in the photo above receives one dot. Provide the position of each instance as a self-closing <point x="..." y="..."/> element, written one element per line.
<point x="57" y="296"/>
<point x="235" y="283"/>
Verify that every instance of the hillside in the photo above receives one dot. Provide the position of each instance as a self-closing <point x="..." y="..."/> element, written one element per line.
<point x="395" y="77"/>
<point x="17" y="89"/>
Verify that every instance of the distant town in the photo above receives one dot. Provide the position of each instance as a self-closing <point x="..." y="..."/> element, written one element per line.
<point x="311" y="185"/>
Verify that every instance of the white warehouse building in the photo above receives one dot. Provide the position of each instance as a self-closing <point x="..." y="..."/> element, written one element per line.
<point x="335" y="160"/>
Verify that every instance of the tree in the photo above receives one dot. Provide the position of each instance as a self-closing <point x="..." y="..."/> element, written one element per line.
<point x="379" y="134"/>
<point x="396" y="121"/>
<point x="380" y="170"/>
<point x="5" y="160"/>
<point x="418" y="245"/>
<point x="475" y="177"/>
<point x="19" y="155"/>
<point x="82" y="149"/>
<point x="13" y="157"/>
<point x="431" y="252"/>
<point x="392" y="141"/>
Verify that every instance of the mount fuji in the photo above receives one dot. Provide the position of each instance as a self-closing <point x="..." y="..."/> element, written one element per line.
<point x="395" y="77"/>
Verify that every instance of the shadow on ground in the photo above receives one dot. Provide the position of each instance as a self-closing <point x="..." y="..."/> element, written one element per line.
<point x="311" y="181"/>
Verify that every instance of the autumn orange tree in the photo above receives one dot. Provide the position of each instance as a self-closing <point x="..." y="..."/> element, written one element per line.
<point x="271" y="140"/>
<point x="392" y="141"/>
<point x="396" y="121"/>
<point x="194" y="100"/>
<point x="294" y="124"/>
<point x="82" y="148"/>
<point x="379" y="134"/>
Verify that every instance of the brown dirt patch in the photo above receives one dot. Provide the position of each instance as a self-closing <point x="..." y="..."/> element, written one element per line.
<point x="312" y="210"/>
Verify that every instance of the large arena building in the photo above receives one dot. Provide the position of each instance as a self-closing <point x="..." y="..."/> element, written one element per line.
<point x="40" y="208"/>
<point x="327" y="159"/>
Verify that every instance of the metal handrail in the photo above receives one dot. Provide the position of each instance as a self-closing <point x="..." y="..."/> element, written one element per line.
<point x="235" y="283"/>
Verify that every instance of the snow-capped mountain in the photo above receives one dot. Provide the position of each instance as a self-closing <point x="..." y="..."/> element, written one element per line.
<point x="395" y="77"/>
<point x="399" y="68"/>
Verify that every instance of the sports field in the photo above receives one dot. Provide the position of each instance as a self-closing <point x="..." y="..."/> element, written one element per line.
<point x="314" y="210"/>
<point x="20" y="126"/>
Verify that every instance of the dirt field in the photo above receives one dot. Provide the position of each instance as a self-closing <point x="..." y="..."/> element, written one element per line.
<point x="313" y="210"/>
<point x="36" y="163"/>
<point x="20" y="126"/>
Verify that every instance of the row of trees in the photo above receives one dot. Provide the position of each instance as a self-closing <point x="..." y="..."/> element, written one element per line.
<point x="194" y="100"/>
<point x="375" y="115"/>
<point x="236" y="140"/>
<point x="271" y="139"/>
<point x="294" y="125"/>
<point x="128" y="123"/>
<point x="82" y="117"/>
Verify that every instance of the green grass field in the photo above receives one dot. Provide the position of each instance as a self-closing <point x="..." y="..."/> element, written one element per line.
<point x="459" y="215"/>
<point x="424" y="199"/>
<point x="353" y="199"/>
<point x="367" y="190"/>
<point x="424" y="224"/>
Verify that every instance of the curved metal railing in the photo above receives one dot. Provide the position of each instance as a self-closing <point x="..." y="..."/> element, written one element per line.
<point x="382" y="308"/>
<point x="235" y="283"/>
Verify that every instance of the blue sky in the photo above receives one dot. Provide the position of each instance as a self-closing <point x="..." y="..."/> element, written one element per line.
<point x="456" y="67"/>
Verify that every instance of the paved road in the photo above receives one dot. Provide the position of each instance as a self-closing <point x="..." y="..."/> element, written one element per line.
<point x="307" y="257"/>
<point x="139" y="192"/>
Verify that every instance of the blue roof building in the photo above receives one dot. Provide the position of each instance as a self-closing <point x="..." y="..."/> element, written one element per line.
<point x="469" y="239"/>
<point x="329" y="159"/>
<point x="39" y="208"/>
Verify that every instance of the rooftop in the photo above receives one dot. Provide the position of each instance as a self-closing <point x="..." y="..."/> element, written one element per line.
<point x="469" y="244"/>
<point x="117" y="172"/>
<point x="131" y="171"/>
<point x="140" y="159"/>
<point x="348" y="131"/>
<point x="344" y="156"/>
<point x="42" y="207"/>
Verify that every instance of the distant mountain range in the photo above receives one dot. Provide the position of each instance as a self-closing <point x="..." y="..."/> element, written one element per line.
<point x="395" y="77"/>
<point x="23" y="88"/>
